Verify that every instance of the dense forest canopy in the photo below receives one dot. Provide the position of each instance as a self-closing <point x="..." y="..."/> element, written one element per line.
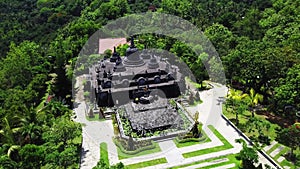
<point x="258" y="42"/>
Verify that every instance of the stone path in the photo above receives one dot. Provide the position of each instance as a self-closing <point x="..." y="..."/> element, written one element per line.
<point x="276" y="151"/>
<point x="172" y="153"/>
<point x="90" y="152"/>
<point x="267" y="148"/>
<point x="280" y="159"/>
<point x="94" y="133"/>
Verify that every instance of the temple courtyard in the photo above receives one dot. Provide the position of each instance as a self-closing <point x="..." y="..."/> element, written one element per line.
<point x="217" y="151"/>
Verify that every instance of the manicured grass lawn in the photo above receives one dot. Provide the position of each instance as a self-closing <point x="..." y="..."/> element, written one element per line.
<point x="226" y="146"/>
<point x="96" y="118"/>
<point x="231" y="158"/>
<point x="289" y="164"/>
<point x="147" y="163"/>
<point x="190" y="143"/>
<point x="104" y="153"/>
<point x="244" y="118"/>
<point x="282" y="153"/>
<point x="123" y="155"/>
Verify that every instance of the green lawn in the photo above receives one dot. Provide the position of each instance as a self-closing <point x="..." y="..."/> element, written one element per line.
<point x="244" y="118"/>
<point x="190" y="143"/>
<point x="123" y="155"/>
<point x="282" y="153"/>
<point x="231" y="158"/>
<point x="147" y="163"/>
<point x="104" y="153"/>
<point x="289" y="164"/>
<point x="95" y="118"/>
<point x="226" y="146"/>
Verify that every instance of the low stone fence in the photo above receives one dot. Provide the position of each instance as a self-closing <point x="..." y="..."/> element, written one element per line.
<point x="251" y="143"/>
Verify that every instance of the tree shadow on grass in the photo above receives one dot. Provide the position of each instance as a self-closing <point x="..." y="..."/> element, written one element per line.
<point x="276" y="119"/>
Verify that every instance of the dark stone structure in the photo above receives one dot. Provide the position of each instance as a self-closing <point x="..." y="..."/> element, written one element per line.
<point x="121" y="79"/>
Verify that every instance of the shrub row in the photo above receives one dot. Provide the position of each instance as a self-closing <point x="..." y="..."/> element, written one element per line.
<point x="184" y="140"/>
<point x="149" y="147"/>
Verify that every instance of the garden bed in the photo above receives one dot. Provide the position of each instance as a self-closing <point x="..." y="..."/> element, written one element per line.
<point x="141" y="148"/>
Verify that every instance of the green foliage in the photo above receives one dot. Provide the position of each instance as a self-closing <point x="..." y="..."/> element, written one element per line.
<point x="222" y="38"/>
<point x="104" y="153"/>
<point x="258" y="42"/>
<point x="32" y="156"/>
<point x="247" y="155"/>
<point x="290" y="137"/>
<point x="133" y="147"/>
<point x="286" y="94"/>
<point x="237" y="101"/>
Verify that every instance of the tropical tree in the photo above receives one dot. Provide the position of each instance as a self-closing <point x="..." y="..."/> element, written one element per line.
<point x="287" y="92"/>
<point x="248" y="155"/>
<point x="290" y="137"/>
<point x="236" y="100"/>
<point x="254" y="98"/>
<point x="63" y="131"/>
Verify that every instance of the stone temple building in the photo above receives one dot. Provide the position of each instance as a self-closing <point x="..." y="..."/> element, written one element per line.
<point x="121" y="79"/>
<point x="140" y="85"/>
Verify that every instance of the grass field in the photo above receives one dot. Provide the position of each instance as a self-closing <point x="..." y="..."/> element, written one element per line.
<point x="104" y="153"/>
<point x="95" y="118"/>
<point x="147" y="163"/>
<point x="251" y="132"/>
<point x="231" y="158"/>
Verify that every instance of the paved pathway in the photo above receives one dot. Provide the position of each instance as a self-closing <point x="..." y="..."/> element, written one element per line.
<point x="169" y="145"/>
<point x="276" y="151"/>
<point x="267" y="148"/>
<point x="94" y="133"/>
<point x="172" y="153"/>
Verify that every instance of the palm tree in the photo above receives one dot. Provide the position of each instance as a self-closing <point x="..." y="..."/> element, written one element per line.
<point x="10" y="129"/>
<point x="236" y="99"/>
<point x="254" y="98"/>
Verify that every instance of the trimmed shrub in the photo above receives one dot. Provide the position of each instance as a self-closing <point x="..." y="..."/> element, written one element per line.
<point x="139" y="146"/>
